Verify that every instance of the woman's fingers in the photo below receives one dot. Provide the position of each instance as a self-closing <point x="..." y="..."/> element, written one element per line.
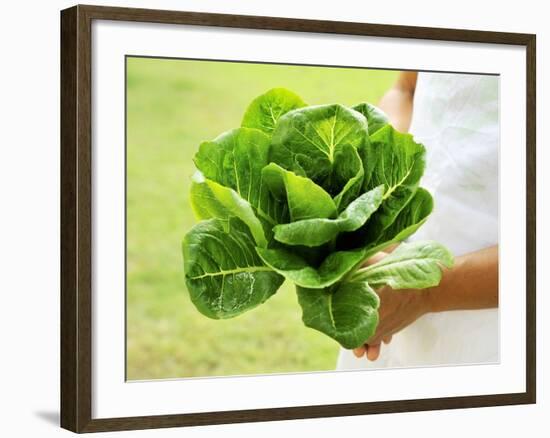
<point x="373" y="351"/>
<point x="375" y="258"/>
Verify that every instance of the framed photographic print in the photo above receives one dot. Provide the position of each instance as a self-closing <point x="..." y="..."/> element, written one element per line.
<point x="260" y="215"/>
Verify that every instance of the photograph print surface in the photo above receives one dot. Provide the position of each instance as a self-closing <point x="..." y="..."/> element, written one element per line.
<point x="293" y="218"/>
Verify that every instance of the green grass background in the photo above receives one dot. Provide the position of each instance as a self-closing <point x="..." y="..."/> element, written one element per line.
<point x="173" y="105"/>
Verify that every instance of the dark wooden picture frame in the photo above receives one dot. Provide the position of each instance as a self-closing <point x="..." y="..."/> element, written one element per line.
<point x="76" y="217"/>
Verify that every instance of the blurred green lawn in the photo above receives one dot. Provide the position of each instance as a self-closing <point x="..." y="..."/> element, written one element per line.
<point x="173" y="105"/>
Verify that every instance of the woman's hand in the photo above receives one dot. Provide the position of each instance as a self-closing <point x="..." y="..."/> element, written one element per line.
<point x="397" y="310"/>
<point x="471" y="284"/>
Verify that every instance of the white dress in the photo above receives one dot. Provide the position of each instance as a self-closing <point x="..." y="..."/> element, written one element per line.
<point x="457" y="118"/>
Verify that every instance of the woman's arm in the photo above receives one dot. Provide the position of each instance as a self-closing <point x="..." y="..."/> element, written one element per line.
<point x="397" y="103"/>
<point x="471" y="284"/>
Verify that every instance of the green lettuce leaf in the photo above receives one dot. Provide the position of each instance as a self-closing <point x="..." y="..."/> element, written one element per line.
<point x="414" y="265"/>
<point x="376" y="118"/>
<point x="348" y="173"/>
<point x="235" y="160"/>
<point x="264" y="112"/>
<point x="224" y="275"/>
<point x="347" y="314"/>
<point x="304" y="198"/>
<point x="308" y="140"/>
<point x="397" y="162"/>
<point x="410" y="218"/>
<point x="315" y="232"/>
<point x="295" y="268"/>
<point x="212" y="200"/>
